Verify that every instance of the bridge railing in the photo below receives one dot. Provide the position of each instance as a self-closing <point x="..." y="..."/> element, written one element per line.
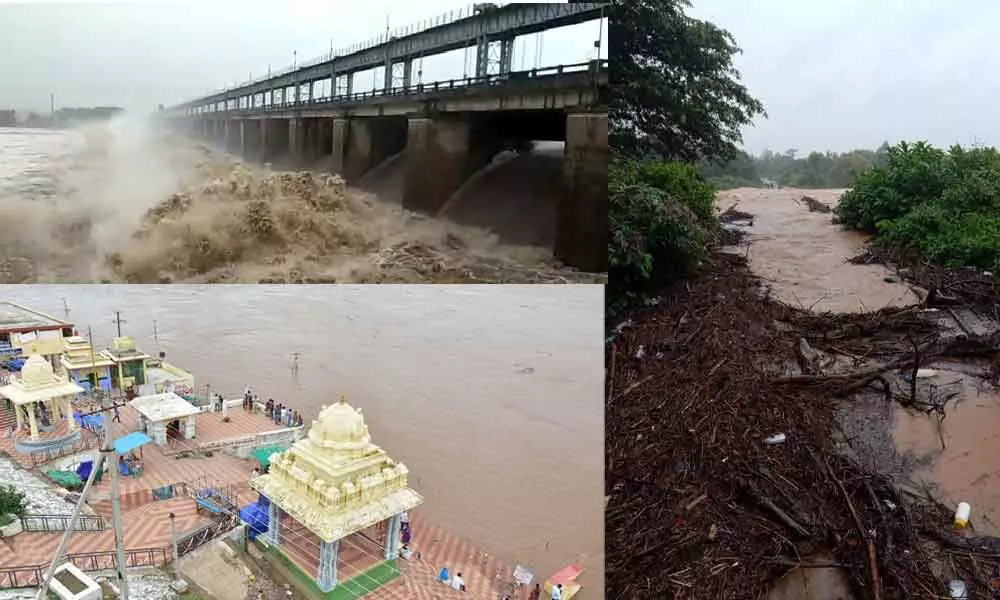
<point x="397" y="32"/>
<point x="596" y="66"/>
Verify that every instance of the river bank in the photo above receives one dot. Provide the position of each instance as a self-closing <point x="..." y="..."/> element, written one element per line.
<point x="701" y="383"/>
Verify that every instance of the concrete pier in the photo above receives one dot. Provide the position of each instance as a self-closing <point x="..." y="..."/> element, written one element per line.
<point x="360" y="144"/>
<point x="442" y="152"/>
<point x="582" y="214"/>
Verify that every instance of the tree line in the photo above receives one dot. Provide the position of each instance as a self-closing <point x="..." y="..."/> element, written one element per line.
<point x="787" y="169"/>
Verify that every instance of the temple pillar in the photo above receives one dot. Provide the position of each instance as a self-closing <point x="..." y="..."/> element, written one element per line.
<point x="19" y="417"/>
<point x="68" y="409"/>
<point x="273" y="524"/>
<point x="32" y="422"/>
<point x="326" y="578"/>
<point x="393" y="526"/>
<point x="189" y="428"/>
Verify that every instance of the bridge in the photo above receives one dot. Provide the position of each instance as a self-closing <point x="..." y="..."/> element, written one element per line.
<point x="449" y="130"/>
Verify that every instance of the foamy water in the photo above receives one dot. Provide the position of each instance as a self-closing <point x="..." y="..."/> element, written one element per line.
<point x="492" y="395"/>
<point x="74" y="207"/>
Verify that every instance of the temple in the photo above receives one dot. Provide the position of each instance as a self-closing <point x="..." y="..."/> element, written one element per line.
<point x="41" y="397"/>
<point x="336" y="499"/>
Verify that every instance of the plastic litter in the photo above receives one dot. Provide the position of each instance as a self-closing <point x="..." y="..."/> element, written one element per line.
<point x="776" y="439"/>
<point x="962" y="515"/>
<point x="956" y="588"/>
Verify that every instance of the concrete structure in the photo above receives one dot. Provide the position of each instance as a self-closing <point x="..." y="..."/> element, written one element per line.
<point x="38" y="387"/>
<point x="70" y="583"/>
<point x="129" y="369"/>
<point x="84" y="364"/>
<point x="334" y="483"/>
<point x="162" y="412"/>
<point x="32" y="331"/>
<point x="449" y="130"/>
<point x="163" y="377"/>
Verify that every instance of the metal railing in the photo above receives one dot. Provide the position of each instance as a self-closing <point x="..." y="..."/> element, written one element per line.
<point x="20" y="576"/>
<point x="193" y="540"/>
<point x="439" y="20"/>
<point x="85" y="442"/>
<point x="595" y="67"/>
<point x="50" y="523"/>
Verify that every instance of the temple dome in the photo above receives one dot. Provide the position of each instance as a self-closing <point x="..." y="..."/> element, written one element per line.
<point x="340" y="425"/>
<point x="37" y="371"/>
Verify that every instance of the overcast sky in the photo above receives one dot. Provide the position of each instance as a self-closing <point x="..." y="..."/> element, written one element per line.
<point x="139" y="54"/>
<point x="841" y="74"/>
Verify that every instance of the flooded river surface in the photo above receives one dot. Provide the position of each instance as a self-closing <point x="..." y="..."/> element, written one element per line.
<point x="492" y="395"/>
<point x="804" y="258"/>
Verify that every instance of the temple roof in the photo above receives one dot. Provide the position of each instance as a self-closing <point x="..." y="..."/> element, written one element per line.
<point x="14" y="317"/>
<point x="123" y="349"/>
<point x="38" y="382"/>
<point x="335" y="481"/>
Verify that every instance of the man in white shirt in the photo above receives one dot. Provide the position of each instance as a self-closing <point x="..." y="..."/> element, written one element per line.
<point x="556" y="592"/>
<point x="457" y="583"/>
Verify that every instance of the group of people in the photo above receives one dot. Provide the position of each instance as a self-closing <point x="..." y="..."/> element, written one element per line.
<point x="282" y="415"/>
<point x="277" y="412"/>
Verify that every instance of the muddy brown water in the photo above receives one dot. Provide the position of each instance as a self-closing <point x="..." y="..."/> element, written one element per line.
<point x="492" y="395"/>
<point x="804" y="258"/>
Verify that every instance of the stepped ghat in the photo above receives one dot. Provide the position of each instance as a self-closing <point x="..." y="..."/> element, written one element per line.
<point x="338" y="488"/>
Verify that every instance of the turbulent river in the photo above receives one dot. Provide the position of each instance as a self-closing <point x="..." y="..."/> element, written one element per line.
<point x="122" y="201"/>
<point x="803" y="256"/>
<point x="492" y="395"/>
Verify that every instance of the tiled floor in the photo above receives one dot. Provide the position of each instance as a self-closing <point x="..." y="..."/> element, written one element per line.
<point x="484" y="575"/>
<point x="146" y="521"/>
<point x="146" y="527"/>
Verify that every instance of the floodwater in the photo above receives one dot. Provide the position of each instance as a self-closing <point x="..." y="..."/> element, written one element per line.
<point x="804" y="255"/>
<point x="804" y="258"/>
<point x="492" y="395"/>
<point x="125" y="202"/>
<point x="963" y="469"/>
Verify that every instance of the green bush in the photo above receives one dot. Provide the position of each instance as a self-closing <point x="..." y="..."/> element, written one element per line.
<point x="11" y="503"/>
<point x="943" y="205"/>
<point x="657" y="233"/>
<point x="678" y="180"/>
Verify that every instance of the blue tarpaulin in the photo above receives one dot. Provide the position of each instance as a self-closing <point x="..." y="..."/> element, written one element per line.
<point x="130" y="442"/>
<point x="255" y="517"/>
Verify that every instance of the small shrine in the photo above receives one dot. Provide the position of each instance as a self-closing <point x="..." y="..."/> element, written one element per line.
<point x="165" y="416"/>
<point x="332" y="485"/>
<point x="129" y="370"/>
<point x="40" y="394"/>
<point x="85" y="366"/>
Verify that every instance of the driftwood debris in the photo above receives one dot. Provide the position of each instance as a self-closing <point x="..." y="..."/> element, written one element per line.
<point x="692" y="427"/>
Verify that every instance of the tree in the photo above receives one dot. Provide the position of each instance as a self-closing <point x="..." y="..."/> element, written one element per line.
<point x="675" y="92"/>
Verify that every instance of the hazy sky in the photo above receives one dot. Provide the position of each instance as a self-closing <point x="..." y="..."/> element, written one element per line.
<point x="138" y="54"/>
<point x="840" y="74"/>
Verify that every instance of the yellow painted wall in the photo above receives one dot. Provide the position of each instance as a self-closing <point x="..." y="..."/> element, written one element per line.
<point x="50" y="342"/>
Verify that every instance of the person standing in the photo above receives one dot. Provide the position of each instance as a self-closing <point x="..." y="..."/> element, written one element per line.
<point x="556" y="592"/>
<point x="457" y="583"/>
